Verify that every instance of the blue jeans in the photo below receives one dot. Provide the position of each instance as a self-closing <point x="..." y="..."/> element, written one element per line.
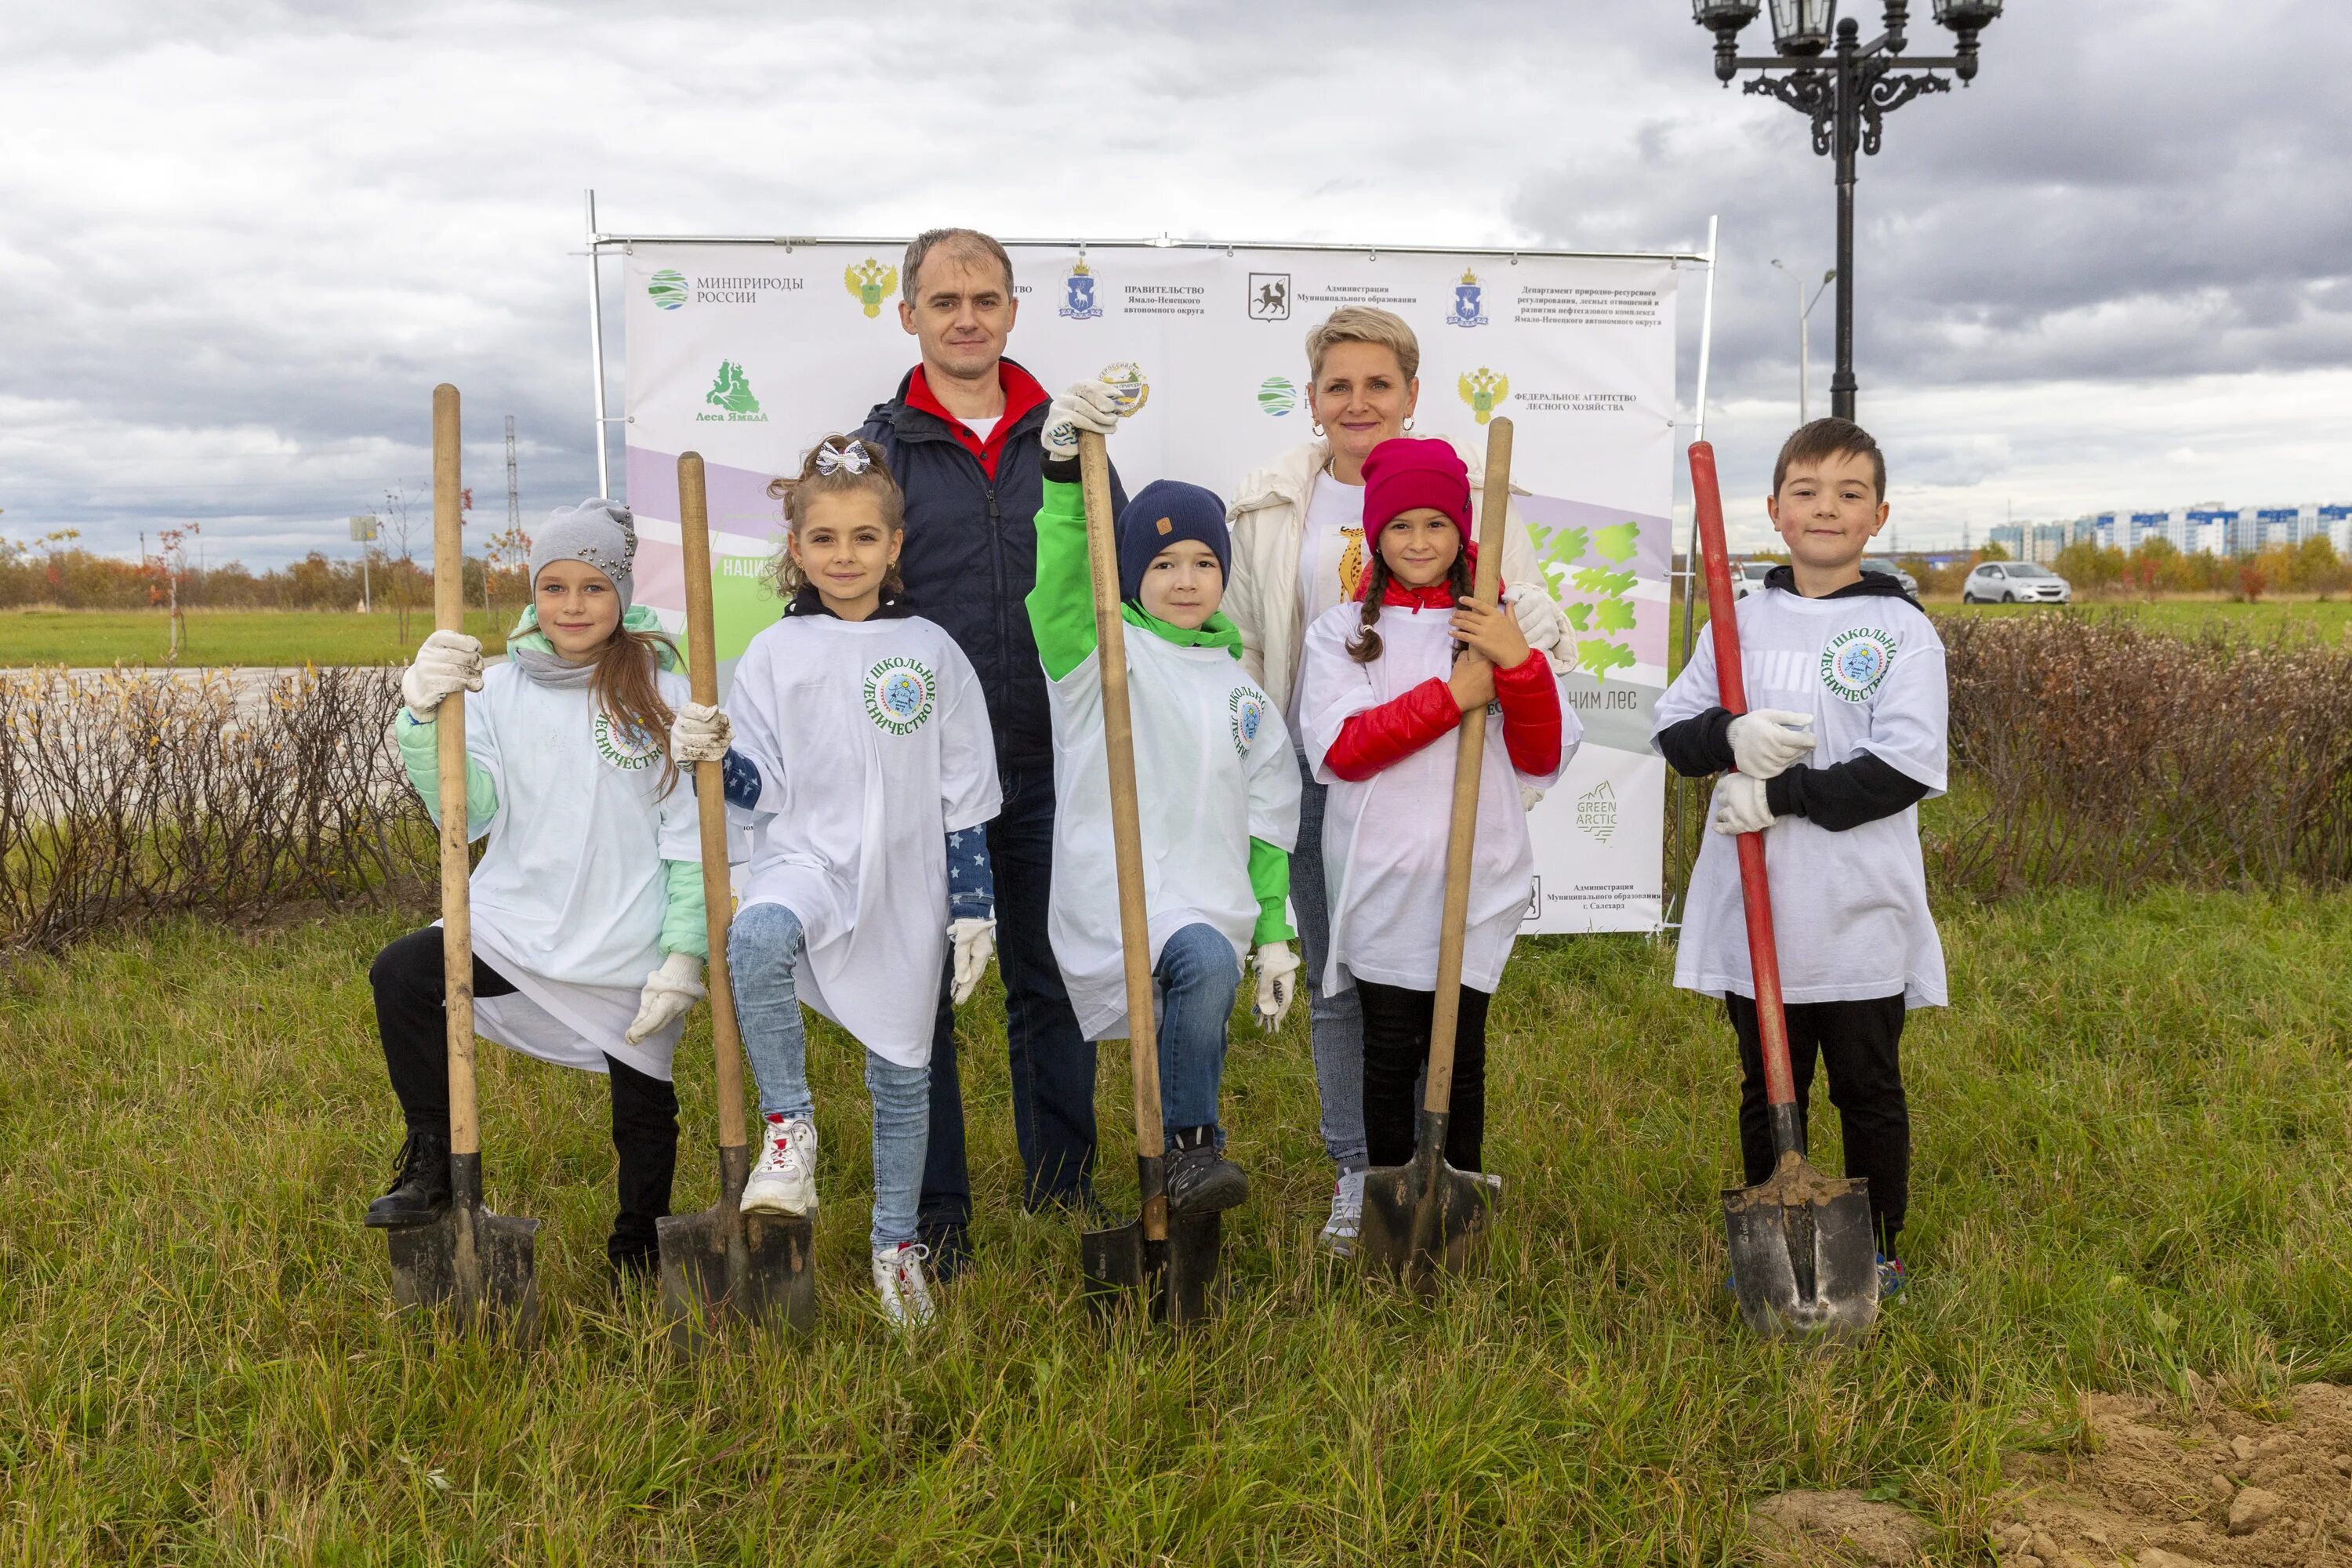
<point x="1197" y="976"/>
<point x="1053" y="1065"/>
<point x="763" y="946"/>
<point x="1335" y="1024"/>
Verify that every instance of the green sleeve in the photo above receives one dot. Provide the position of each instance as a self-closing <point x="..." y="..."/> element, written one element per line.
<point x="420" y="753"/>
<point x="1061" y="604"/>
<point x="682" y="928"/>
<point x="1270" y="880"/>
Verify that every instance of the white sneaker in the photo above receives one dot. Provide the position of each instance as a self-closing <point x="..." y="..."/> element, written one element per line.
<point x="898" y="1280"/>
<point x="1339" y="1238"/>
<point x="784" y="1181"/>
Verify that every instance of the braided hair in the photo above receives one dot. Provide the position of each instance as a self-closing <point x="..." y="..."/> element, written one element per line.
<point x="1365" y="645"/>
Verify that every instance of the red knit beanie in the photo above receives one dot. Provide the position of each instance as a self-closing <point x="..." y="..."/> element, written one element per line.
<point x="1401" y="473"/>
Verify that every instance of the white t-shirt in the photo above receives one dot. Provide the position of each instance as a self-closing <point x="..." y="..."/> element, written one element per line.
<point x="568" y="897"/>
<point x="873" y="744"/>
<point x="1331" y="558"/>
<point x="1849" y="909"/>
<point x="983" y="428"/>
<point x="1384" y="836"/>
<point x="1213" y="770"/>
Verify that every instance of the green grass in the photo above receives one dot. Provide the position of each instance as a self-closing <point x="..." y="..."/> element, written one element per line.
<point x="2134" y="1158"/>
<point x="273" y="637"/>
<point x="2265" y="618"/>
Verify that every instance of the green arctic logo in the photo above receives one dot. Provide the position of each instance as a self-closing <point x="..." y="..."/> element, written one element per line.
<point x="731" y="393"/>
<point x="668" y="289"/>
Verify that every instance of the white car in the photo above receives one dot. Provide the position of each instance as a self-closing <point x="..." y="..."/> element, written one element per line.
<point x="1748" y="577"/>
<point x="2015" y="583"/>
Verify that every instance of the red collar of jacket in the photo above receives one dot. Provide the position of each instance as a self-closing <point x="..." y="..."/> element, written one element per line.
<point x="1022" y="394"/>
<point x="1438" y="595"/>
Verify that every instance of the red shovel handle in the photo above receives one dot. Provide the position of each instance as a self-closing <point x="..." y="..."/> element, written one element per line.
<point x="1731" y="689"/>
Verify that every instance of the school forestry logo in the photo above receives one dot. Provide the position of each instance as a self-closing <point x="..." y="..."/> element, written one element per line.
<point x="1269" y="295"/>
<point x="1079" y="298"/>
<point x="870" y="281"/>
<point x="631" y="748"/>
<point x="1276" y="396"/>
<point x="1856" y="661"/>
<point x="898" y="695"/>
<point x="1466" y="294"/>
<point x="668" y="289"/>
<point x="1248" y="712"/>
<point x="1127" y="386"/>
<point x="1484" y="390"/>
<point x="1596" y="812"/>
<point x="731" y="393"/>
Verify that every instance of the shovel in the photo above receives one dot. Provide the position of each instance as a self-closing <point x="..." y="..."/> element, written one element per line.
<point x="1803" y="1255"/>
<point x="1427" y="1216"/>
<point x="724" y="1262"/>
<point x="477" y="1261"/>
<point x="1167" y="1265"/>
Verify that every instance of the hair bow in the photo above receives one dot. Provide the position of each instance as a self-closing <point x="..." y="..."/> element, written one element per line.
<point x="845" y="460"/>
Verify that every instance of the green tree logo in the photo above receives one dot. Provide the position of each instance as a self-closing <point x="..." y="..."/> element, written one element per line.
<point x="732" y="391"/>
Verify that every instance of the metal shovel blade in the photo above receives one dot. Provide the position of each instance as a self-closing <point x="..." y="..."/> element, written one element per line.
<point x="722" y="1263"/>
<point x="1804" y="1254"/>
<point x="480" y="1263"/>
<point x="1175" y="1280"/>
<point x="1425" y="1217"/>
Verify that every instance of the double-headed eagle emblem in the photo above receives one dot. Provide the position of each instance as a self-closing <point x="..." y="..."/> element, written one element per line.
<point x="871" y="281"/>
<point x="1483" y="389"/>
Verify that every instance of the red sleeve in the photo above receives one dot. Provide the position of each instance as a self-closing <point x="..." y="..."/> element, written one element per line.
<point x="1383" y="736"/>
<point x="1531" y="700"/>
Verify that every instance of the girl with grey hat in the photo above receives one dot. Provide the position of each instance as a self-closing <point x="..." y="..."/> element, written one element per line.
<point x="587" y="904"/>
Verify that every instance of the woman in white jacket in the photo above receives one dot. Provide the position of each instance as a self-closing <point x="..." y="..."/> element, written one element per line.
<point x="1299" y="549"/>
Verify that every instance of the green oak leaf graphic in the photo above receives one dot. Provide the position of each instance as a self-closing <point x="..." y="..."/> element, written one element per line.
<point x="1618" y="541"/>
<point x="1601" y="656"/>
<point x="1616" y="615"/>
<point x="1579" y="615"/>
<point x="1564" y="547"/>
<point x="1601" y="581"/>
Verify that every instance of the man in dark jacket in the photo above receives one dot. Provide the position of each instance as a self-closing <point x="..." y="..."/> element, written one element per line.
<point x="961" y="434"/>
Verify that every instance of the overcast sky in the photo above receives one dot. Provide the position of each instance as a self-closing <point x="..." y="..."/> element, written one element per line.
<point x="243" y="240"/>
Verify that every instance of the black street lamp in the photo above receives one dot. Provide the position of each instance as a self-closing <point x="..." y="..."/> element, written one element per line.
<point x="1847" y="91"/>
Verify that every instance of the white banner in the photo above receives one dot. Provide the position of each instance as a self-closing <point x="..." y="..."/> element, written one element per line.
<point x="748" y="354"/>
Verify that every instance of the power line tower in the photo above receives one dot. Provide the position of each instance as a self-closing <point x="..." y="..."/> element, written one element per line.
<point x="514" y="490"/>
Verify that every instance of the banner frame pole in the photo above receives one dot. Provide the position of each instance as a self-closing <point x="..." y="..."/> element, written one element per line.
<point x="1506" y="252"/>
<point x="596" y="348"/>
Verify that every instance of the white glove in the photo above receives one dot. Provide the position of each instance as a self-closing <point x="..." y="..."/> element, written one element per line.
<point x="1277" y="983"/>
<point x="670" y="991"/>
<point x="1539" y="619"/>
<point x="1529" y="798"/>
<point x="1087" y="405"/>
<point x="700" y="733"/>
<point x="974" y="941"/>
<point x="1739" y="805"/>
<point x="1764" y="742"/>
<point x="445" y="662"/>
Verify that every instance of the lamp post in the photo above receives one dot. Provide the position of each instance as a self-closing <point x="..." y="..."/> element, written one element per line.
<point x="1804" y="336"/>
<point x="1847" y="91"/>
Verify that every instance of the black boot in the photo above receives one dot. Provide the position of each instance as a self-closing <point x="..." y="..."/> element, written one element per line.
<point x="1200" y="1178"/>
<point x="420" y="1185"/>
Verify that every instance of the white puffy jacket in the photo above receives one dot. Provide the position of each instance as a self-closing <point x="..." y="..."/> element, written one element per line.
<point x="1269" y="522"/>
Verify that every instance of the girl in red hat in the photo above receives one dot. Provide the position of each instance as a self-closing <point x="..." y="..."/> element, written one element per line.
<point x="1383" y="685"/>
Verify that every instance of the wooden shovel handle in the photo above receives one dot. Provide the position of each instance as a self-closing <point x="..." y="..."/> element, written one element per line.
<point x="1469" y="763"/>
<point x="1732" y="690"/>
<point x="449" y="737"/>
<point x="711" y="796"/>
<point x="1126" y="829"/>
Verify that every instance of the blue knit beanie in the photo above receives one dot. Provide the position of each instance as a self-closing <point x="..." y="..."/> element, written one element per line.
<point x="1159" y="514"/>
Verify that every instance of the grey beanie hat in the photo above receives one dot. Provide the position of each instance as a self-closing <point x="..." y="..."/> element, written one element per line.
<point x="599" y="532"/>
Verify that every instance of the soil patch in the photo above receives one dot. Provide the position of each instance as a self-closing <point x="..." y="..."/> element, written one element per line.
<point x="1834" y="1530"/>
<point x="2214" y="1489"/>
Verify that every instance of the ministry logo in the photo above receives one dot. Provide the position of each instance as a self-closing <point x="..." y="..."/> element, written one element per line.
<point x="1484" y="390"/>
<point x="870" y="282"/>
<point x="1269" y="295"/>
<point x="668" y="289"/>
<point x="1276" y="396"/>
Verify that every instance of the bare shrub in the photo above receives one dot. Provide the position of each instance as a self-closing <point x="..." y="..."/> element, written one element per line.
<point x="2087" y="749"/>
<point x="125" y="796"/>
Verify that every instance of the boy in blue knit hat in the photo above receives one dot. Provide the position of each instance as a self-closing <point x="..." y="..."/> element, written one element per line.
<point x="1217" y="790"/>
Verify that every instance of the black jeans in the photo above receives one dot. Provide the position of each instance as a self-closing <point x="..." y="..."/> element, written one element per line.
<point x="1862" y="1043"/>
<point x="1053" y="1065"/>
<point x="1396" y="1048"/>
<point x="409" y="1015"/>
